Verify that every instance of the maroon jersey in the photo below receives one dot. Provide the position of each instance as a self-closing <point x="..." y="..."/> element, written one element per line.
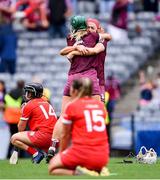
<point x="40" y="115"/>
<point x="83" y="63"/>
<point x="99" y="64"/>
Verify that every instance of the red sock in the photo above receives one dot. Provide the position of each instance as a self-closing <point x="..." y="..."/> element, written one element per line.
<point x="31" y="150"/>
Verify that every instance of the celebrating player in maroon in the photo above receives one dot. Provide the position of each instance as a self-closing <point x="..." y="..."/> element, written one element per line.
<point x="81" y="66"/>
<point x="90" y="43"/>
<point x="93" y="26"/>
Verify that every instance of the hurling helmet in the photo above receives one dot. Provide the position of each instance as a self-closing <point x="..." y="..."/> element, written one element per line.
<point x="78" y="22"/>
<point x="35" y="88"/>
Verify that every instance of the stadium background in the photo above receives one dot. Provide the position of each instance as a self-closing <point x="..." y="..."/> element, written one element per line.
<point x="38" y="56"/>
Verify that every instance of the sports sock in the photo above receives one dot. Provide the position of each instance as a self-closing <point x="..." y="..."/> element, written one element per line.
<point x="55" y="143"/>
<point x="31" y="150"/>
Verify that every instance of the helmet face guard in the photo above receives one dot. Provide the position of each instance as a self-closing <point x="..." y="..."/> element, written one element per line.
<point x="34" y="90"/>
<point x="30" y="89"/>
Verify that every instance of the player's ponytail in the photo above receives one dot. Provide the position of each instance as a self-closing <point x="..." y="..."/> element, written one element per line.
<point x="77" y="35"/>
<point x="83" y="86"/>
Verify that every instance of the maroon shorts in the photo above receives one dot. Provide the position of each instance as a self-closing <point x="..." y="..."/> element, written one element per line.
<point x="91" y="74"/>
<point x="93" y="158"/>
<point x="40" y="140"/>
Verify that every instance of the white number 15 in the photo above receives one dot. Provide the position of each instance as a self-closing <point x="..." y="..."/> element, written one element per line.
<point x="92" y="117"/>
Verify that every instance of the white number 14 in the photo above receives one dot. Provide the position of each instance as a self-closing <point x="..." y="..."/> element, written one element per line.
<point x="49" y="113"/>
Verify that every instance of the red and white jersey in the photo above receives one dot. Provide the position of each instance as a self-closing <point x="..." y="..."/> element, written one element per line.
<point x="87" y="117"/>
<point x="39" y="114"/>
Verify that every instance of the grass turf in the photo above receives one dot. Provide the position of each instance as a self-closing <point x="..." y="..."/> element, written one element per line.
<point x="26" y="170"/>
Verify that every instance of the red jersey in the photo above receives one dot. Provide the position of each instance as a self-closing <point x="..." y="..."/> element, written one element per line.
<point x="39" y="114"/>
<point x="87" y="117"/>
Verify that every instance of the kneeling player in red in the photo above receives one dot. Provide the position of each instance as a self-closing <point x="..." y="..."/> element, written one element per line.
<point x="40" y="117"/>
<point x="83" y="123"/>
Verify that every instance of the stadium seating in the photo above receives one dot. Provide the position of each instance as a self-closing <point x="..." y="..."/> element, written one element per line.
<point x="38" y="55"/>
<point x="141" y="128"/>
<point x="130" y="128"/>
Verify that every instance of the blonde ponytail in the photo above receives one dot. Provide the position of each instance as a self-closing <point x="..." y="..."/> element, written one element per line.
<point x="77" y="35"/>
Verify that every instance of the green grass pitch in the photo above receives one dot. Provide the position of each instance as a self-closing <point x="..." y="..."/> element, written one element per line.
<point x="26" y="170"/>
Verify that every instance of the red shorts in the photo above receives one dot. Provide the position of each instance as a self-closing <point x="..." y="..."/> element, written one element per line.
<point x="91" y="74"/>
<point x="93" y="158"/>
<point x="40" y="140"/>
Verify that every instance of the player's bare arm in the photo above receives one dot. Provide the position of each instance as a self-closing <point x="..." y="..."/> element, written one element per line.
<point x="105" y="36"/>
<point x="67" y="50"/>
<point x="72" y="54"/>
<point x="99" y="47"/>
<point x="82" y="49"/>
<point x="22" y="125"/>
<point x="88" y="51"/>
<point x="65" y="136"/>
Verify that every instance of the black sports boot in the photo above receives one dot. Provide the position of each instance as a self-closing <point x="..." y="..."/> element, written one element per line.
<point x="50" y="154"/>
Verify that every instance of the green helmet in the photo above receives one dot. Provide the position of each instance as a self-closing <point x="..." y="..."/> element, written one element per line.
<point x="78" y="22"/>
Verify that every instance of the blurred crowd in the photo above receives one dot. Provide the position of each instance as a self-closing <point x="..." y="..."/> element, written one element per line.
<point x="10" y="104"/>
<point x="149" y="88"/>
<point x="44" y="14"/>
<point x="53" y="15"/>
